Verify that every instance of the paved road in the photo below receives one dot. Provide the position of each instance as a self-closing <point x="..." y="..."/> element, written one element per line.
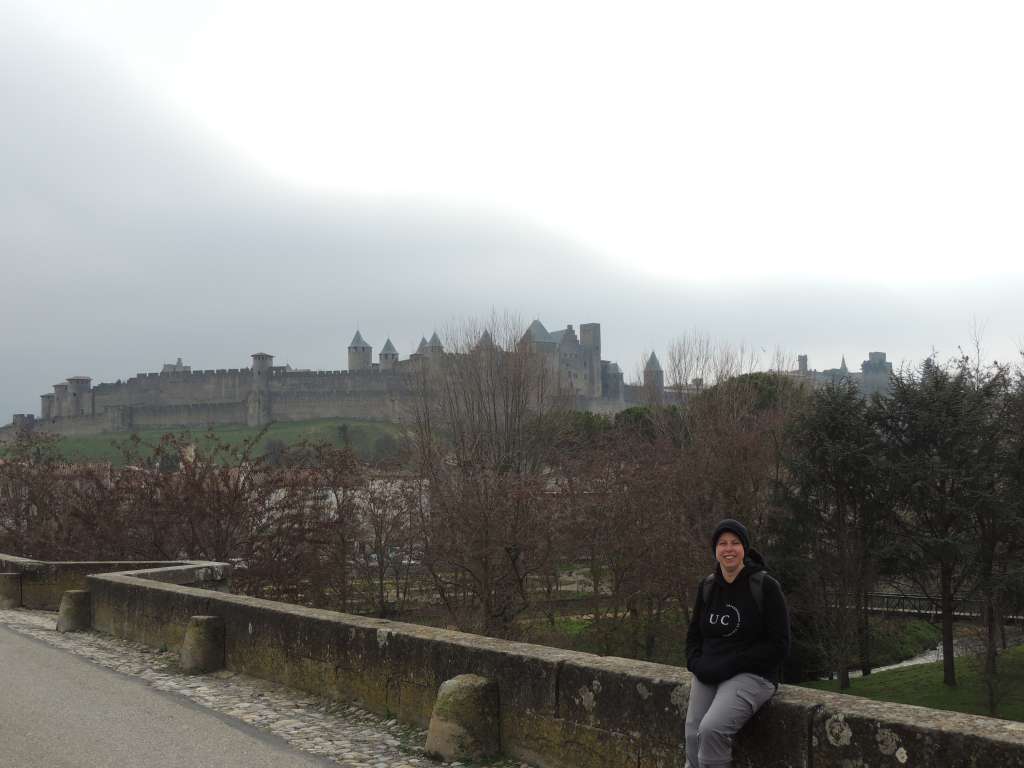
<point x="59" y="711"/>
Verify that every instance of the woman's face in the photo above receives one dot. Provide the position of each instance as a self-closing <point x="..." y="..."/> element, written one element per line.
<point x="729" y="552"/>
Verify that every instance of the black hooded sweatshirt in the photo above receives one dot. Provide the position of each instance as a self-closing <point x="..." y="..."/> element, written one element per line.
<point x="730" y="635"/>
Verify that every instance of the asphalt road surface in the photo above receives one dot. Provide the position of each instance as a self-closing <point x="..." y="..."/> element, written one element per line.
<point x="60" y="711"/>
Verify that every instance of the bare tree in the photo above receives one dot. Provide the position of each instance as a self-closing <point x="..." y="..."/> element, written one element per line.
<point x="480" y="425"/>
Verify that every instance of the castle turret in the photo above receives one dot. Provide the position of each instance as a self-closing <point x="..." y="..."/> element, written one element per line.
<point x="360" y="354"/>
<point x="876" y="374"/>
<point x="485" y="341"/>
<point x="258" y="411"/>
<point x="590" y="341"/>
<point x="79" y="400"/>
<point x="434" y="347"/>
<point x="654" y="379"/>
<point x="60" y="400"/>
<point x="388" y="356"/>
<point x="46" y="406"/>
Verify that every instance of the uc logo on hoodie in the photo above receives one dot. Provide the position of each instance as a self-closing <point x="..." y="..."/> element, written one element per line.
<point x="728" y="620"/>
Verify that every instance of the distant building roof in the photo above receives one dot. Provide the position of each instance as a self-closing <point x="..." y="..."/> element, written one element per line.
<point x="423" y="345"/>
<point x="389" y="348"/>
<point x="357" y="341"/>
<point x="485" y="339"/>
<point x="537" y="332"/>
<point x="559" y="336"/>
<point x="652" y="363"/>
<point x="435" y="341"/>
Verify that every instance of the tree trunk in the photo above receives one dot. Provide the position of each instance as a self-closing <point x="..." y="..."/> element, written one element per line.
<point x="864" y="633"/>
<point x="948" y="662"/>
<point x="991" y="639"/>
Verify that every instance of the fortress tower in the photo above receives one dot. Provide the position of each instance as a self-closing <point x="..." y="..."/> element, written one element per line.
<point x="78" y="400"/>
<point x="590" y="341"/>
<point x="258" y="402"/>
<point x="388" y="356"/>
<point x="60" y="400"/>
<point x="654" y="379"/>
<point x="360" y="354"/>
<point x="434" y="347"/>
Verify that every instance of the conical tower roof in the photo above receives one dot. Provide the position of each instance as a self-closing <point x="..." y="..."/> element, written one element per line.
<point x="389" y="348"/>
<point x="652" y="363"/>
<point x="537" y="332"/>
<point x="423" y="345"/>
<point x="842" y="366"/>
<point x="357" y="341"/>
<point x="485" y="339"/>
<point x="435" y="341"/>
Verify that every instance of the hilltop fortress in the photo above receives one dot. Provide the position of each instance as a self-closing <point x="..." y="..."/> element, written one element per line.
<point x="178" y="396"/>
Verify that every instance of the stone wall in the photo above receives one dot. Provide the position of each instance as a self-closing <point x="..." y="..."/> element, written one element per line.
<point x="43" y="583"/>
<point x="198" y="414"/>
<point x="175" y="388"/>
<point x="558" y="708"/>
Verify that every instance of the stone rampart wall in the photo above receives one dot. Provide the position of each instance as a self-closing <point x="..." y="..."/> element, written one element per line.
<point x="325" y="382"/>
<point x="175" y="388"/>
<point x="75" y="426"/>
<point x="558" y="708"/>
<point x="199" y="414"/>
<point x="367" y="406"/>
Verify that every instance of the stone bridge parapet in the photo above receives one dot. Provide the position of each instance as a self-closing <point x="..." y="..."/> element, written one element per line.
<point x="557" y="708"/>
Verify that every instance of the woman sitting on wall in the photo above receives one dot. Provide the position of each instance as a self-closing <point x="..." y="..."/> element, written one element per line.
<point x="736" y="643"/>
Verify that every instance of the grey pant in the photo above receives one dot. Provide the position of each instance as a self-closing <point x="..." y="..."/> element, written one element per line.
<point x="717" y="712"/>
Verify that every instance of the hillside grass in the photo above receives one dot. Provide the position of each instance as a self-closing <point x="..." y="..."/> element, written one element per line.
<point x="922" y="685"/>
<point x="367" y="438"/>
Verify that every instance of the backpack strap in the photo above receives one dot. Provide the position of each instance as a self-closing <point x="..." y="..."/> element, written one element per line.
<point x="705" y="588"/>
<point x="756" y="588"/>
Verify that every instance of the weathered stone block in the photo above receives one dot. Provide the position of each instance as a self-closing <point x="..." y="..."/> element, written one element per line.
<point x="75" y="612"/>
<point x="644" y="703"/>
<point x="203" y="647"/>
<point x="850" y="732"/>
<point x="465" y="724"/>
<point x="10" y="590"/>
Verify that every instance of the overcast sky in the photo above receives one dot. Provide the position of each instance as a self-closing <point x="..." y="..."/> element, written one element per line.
<point x="208" y="180"/>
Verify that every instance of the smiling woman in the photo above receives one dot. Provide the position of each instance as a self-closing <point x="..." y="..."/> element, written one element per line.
<point x="737" y="641"/>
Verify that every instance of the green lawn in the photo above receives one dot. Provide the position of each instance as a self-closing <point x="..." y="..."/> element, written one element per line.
<point x="922" y="685"/>
<point x="366" y="438"/>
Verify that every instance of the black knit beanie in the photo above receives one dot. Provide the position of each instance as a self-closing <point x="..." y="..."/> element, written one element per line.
<point x="733" y="526"/>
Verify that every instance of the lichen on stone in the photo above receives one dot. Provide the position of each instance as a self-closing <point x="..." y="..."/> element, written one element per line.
<point x="642" y="690"/>
<point x="887" y="740"/>
<point x="901" y="755"/>
<point x="837" y="731"/>
<point x="679" y="698"/>
<point x="586" y="699"/>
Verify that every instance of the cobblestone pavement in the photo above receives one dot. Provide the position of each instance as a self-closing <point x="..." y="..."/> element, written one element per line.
<point x="344" y="733"/>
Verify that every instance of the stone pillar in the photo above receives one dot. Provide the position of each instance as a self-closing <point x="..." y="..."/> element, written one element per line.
<point x="465" y="724"/>
<point x="203" y="647"/>
<point x="75" y="613"/>
<point x="10" y="590"/>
